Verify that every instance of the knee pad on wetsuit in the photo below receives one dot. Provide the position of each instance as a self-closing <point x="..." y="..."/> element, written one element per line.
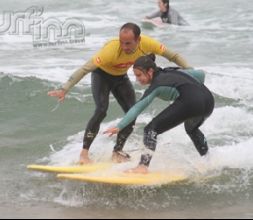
<point x="150" y="138"/>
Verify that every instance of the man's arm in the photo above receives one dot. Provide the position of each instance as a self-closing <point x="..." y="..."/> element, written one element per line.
<point x="78" y="75"/>
<point x="74" y="79"/>
<point x="176" y="58"/>
<point x="153" y="46"/>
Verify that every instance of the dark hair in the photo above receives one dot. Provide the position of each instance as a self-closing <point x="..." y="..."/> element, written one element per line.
<point x="134" y="27"/>
<point x="145" y="62"/>
<point x="166" y="2"/>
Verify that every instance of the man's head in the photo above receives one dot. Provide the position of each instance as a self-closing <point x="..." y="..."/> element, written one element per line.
<point x="129" y="37"/>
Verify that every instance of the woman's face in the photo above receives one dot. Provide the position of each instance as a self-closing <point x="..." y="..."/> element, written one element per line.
<point x="162" y="6"/>
<point x="144" y="77"/>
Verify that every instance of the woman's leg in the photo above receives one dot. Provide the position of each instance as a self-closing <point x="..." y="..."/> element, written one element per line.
<point x="171" y="117"/>
<point x="192" y="124"/>
<point x="197" y="137"/>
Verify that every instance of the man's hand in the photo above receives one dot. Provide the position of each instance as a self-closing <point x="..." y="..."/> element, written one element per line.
<point x="60" y="94"/>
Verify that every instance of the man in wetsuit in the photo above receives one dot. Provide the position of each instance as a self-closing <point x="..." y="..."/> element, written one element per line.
<point x="168" y="14"/>
<point x="109" y="74"/>
<point x="193" y="103"/>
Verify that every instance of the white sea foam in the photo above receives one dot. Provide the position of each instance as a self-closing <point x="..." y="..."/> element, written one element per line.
<point x="175" y="150"/>
<point x="231" y="82"/>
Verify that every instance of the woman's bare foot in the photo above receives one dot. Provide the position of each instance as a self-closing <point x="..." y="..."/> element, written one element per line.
<point x="139" y="169"/>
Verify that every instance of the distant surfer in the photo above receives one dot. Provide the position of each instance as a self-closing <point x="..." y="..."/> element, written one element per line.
<point x="109" y="74"/>
<point x="193" y="103"/>
<point x="167" y="14"/>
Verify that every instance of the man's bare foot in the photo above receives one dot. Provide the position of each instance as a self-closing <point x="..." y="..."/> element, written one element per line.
<point x="84" y="158"/>
<point x="139" y="169"/>
<point x="120" y="157"/>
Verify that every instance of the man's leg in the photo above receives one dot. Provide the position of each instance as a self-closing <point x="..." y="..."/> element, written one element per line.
<point x="125" y="95"/>
<point x="101" y="92"/>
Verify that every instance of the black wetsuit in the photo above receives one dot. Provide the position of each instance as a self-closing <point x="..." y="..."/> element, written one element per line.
<point x="193" y="104"/>
<point x="122" y="89"/>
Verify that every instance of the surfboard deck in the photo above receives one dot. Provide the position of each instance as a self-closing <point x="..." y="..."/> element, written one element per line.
<point x="152" y="23"/>
<point x="70" y="169"/>
<point x="150" y="179"/>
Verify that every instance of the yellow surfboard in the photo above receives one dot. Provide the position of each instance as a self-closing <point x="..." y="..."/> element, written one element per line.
<point x="70" y="169"/>
<point x="153" y="178"/>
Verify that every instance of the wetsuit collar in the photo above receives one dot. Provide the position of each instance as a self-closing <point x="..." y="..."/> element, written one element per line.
<point x="157" y="72"/>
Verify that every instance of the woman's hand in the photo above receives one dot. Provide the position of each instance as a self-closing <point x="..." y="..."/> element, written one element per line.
<point x="112" y="131"/>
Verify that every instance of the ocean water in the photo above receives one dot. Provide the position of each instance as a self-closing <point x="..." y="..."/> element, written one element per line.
<point x="34" y="128"/>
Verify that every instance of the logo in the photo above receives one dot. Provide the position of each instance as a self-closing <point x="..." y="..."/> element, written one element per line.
<point x="162" y="47"/>
<point x="44" y="31"/>
<point x="124" y="65"/>
<point x="98" y="60"/>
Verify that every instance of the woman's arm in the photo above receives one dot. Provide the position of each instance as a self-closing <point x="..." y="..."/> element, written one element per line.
<point x="133" y="113"/>
<point x="136" y="110"/>
<point x="154" y="15"/>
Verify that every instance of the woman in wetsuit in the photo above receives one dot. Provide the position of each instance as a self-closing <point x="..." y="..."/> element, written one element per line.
<point x="193" y="103"/>
<point x="168" y="14"/>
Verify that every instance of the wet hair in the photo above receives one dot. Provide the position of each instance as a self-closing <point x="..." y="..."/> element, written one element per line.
<point x="166" y="2"/>
<point x="144" y="63"/>
<point x="134" y="27"/>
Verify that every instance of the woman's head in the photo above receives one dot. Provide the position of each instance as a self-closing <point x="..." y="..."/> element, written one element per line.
<point x="144" y="68"/>
<point x="164" y="5"/>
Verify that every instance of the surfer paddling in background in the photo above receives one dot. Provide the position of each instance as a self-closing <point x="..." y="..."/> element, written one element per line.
<point x="193" y="103"/>
<point x="109" y="74"/>
<point x="167" y="14"/>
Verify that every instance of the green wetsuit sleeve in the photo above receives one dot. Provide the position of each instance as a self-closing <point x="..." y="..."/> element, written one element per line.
<point x="167" y="93"/>
<point x="136" y="110"/>
<point x="79" y="74"/>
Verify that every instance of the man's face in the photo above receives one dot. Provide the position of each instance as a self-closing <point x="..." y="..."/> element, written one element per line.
<point x="128" y="41"/>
